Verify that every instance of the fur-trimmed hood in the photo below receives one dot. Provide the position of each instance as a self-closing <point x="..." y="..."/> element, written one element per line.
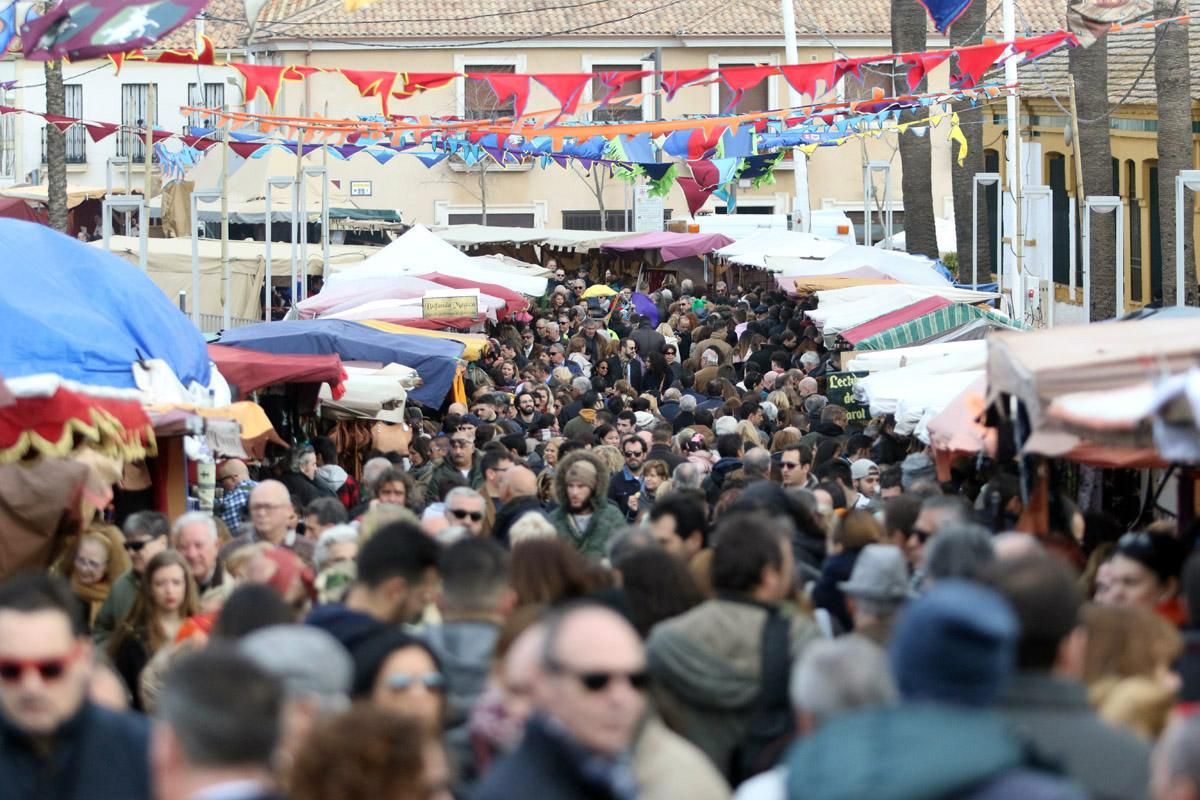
<point x="563" y="468"/>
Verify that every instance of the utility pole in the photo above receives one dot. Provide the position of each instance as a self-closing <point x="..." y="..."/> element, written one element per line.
<point x="803" y="207"/>
<point x="1012" y="154"/>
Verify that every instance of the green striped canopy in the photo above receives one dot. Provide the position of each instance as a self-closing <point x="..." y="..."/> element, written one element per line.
<point x="934" y="324"/>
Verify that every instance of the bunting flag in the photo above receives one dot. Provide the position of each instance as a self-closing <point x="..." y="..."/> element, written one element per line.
<point x="707" y="175"/>
<point x="83" y="29"/>
<point x="417" y="82"/>
<point x="921" y="64"/>
<point x="1036" y="47"/>
<point x="974" y="61"/>
<point x="742" y="79"/>
<point x="506" y="85"/>
<point x="99" y="131"/>
<point x="8" y="25"/>
<point x="567" y="90"/>
<point x="205" y="56"/>
<point x="372" y="83"/>
<point x="803" y="77"/>
<point x="945" y="13"/>
<point x="613" y="81"/>
<point x="676" y="79"/>
<point x="267" y="79"/>
<point x="956" y="135"/>
<point x="693" y="193"/>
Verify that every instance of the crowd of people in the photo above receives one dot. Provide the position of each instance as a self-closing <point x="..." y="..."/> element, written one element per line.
<point x="647" y="559"/>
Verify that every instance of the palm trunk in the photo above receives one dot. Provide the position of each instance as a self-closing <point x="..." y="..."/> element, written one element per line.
<point x="908" y="35"/>
<point x="1089" y="70"/>
<point x="969" y="30"/>
<point x="56" y="147"/>
<point x="1172" y="83"/>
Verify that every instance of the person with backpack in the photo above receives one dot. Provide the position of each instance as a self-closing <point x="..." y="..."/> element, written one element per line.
<point x="721" y="670"/>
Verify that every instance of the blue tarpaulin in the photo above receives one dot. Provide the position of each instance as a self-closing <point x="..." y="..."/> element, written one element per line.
<point x="85" y="314"/>
<point x="433" y="358"/>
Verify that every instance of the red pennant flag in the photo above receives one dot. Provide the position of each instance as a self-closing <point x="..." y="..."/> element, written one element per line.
<point x="99" y="131"/>
<point x="613" y="81"/>
<point x="676" y="79"/>
<point x="206" y="56"/>
<point x="850" y="66"/>
<point x="297" y="72"/>
<point x="921" y="64"/>
<point x="267" y="78"/>
<point x="1038" y="46"/>
<point x="372" y="83"/>
<point x="60" y="122"/>
<point x="742" y="79"/>
<point x="702" y="141"/>
<point x="247" y="149"/>
<point x="695" y="196"/>
<point x="506" y="85"/>
<point x="803" y="77"/>
<point x="705" y="174"/>
<point x="201" y="143"/>
<point x="415" y="82"/>
<point x="974" y="61"/>
<point x="567" y="88"/>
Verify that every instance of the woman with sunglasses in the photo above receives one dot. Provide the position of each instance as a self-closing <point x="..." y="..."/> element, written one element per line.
<point x="166" y="599"/>
<point x="398" y="673"/>
<point x="99" y="559"/>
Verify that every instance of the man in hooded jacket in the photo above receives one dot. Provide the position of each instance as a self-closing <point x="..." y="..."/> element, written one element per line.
<point x="585" y="516"/>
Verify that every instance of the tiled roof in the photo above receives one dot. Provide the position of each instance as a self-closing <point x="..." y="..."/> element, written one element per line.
<point x="1130" y="67"/>
<point x="225" y="23"/>
<point x="515" y="19"/>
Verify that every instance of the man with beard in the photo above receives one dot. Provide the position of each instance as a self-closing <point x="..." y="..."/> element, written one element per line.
<point x="585" y="517"/>
<point x="527" y="415"/>
<point x="397" y="578"/>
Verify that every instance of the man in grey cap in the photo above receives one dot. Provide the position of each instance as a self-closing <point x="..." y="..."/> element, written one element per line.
<point x="877" y="588"/>
<point x="316" y="671"/>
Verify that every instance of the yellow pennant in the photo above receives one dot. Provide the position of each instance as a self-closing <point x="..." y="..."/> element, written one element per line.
<point x="956" y="135"/>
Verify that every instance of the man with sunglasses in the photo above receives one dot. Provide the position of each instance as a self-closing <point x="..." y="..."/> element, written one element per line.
<point x="627" y="484"/>
<point x="588" y="706"/>
<point x="54" y="742"/>
<point x="468" y="508"/>
<point x="145" y="537"/>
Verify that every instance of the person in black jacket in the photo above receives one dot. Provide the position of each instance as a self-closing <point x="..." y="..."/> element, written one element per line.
<point x="518" y="497"/>
<point x="588" y="703"/>
<point x="54" y="742"/>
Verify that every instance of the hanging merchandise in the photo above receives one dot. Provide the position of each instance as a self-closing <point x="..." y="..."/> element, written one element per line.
<point x="83" y="29"/>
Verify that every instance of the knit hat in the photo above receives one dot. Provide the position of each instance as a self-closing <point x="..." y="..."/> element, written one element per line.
<point x="862" y="468"/>
<point x="917" y="467"/>
<point x="724" y="425"/>
<point x="583" y="471"/>
<point x="956" y="644"/>
<point x="331" y="477"/>
<point x="645" y="420"/>
<point x="880" y="573"/>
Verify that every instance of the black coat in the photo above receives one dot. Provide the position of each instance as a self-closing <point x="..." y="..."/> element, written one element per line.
<point x="663" y="452"/>
<point x="510" y="512"/>
<point x="542" y="768"/>
<point x="616" y="368"/>
<point x="97" y="755"/>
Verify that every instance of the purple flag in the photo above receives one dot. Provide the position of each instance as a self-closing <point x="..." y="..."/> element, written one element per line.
<point x="645" y="306"/>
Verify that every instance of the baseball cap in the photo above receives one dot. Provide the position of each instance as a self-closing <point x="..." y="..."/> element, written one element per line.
<point x="862" y="468"/>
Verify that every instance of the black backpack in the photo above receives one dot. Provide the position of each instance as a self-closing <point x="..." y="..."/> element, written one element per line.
<point x="772" y="725"/>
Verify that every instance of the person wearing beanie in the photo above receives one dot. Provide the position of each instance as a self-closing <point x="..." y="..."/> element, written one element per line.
<point x="585" y="517"/>
<point x="952" y="653"/>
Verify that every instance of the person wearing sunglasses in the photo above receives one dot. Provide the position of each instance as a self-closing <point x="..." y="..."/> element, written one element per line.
<point x="398" y="673"/>
<point x="589" y="702"/>
<point x="145" y="537"/>
<point x="56" y="742"/>
<point x="468" y="508"/>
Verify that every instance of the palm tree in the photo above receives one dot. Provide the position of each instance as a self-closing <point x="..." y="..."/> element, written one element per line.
<point x="908" y="35"/>
<point x="1089" y="70"/>
<point x="1172" y="84"/>
<point x="966" y="31"/>
<point x="56" y="147"/>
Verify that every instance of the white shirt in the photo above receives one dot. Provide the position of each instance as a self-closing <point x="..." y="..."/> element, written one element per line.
<point x="233" y="790"/>
<point x="770" y="785"/>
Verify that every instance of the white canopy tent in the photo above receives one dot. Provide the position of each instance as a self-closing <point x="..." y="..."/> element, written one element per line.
<point x="871" y="302"/>
<point x="420" y="252"/>
<point x="859" y="261"/>
<point x="884" y="360"/>
<point x="756" y="249"/>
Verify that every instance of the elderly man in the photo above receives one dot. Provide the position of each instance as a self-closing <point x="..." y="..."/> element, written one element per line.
<point x="236" y="487"/>
<point x="468" y="508"/>
<point x="145" y="537"/>
<point x="518" y="495"/>
<point x="877" y="589"/>
<point x="56" y="742"/>
<point x="832" y="678"/>
<point x="270" y="512"/>
<point x="194" y="535"/>
<point x="588" y="706"/>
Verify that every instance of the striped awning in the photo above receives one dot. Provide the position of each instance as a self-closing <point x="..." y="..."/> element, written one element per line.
<point x="934" y="324"/>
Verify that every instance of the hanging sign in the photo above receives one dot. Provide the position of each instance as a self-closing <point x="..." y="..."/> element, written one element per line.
<point x="450" y="304"/>
<point x="840" y="392"/>
<point x="647" y="210"/>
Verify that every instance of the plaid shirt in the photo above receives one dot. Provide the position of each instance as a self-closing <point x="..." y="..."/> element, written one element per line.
<point x="234" y="504"/>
